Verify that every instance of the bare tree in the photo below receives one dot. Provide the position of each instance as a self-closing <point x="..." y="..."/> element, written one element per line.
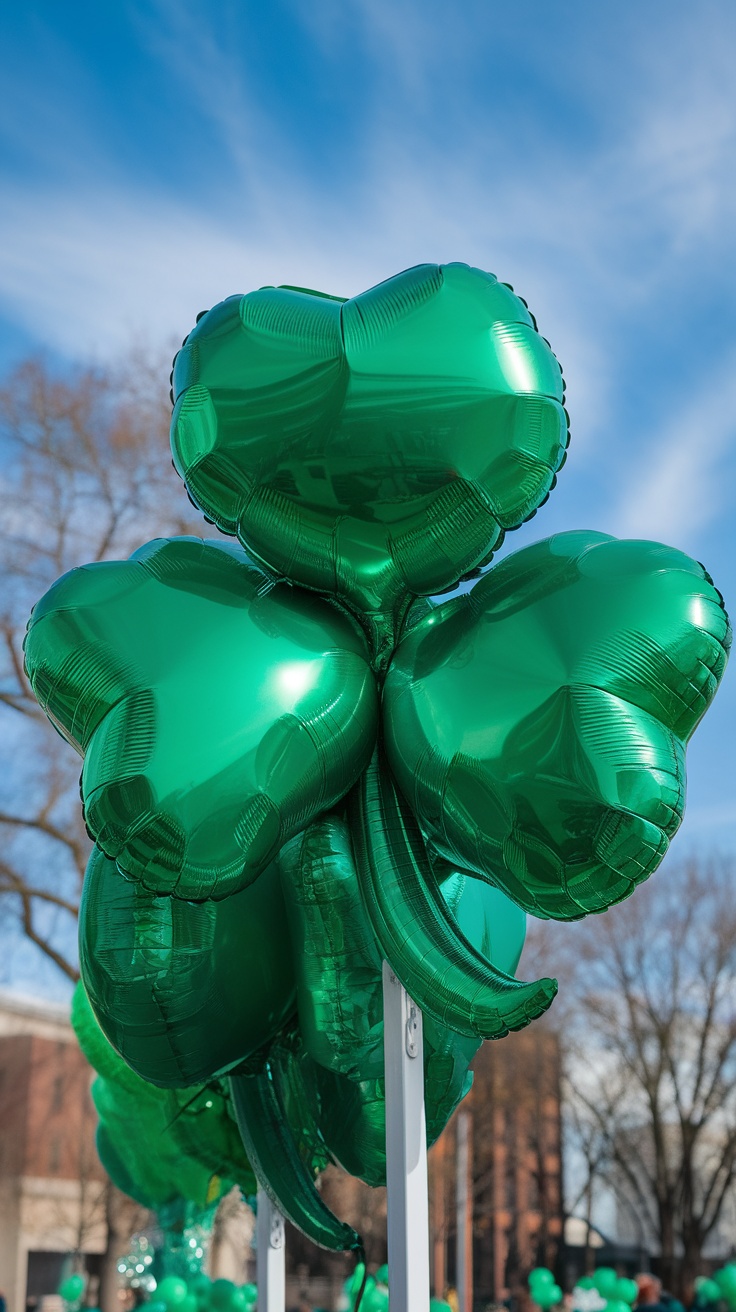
<point x="653" y="1057"/>
<point x="86" y="476"/>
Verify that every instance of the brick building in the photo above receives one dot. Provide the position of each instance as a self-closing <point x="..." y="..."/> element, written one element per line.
<point x="52" y="1186"/>
<point x="514" y="1207"/>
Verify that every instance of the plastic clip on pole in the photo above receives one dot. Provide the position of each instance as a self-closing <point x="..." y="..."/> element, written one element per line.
<point x="406" y="1149"/>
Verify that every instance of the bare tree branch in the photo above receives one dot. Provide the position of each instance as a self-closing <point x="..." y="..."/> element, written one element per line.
<point x="89" y="478"/>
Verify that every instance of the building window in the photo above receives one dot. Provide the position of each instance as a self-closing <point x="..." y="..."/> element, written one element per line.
<point x="58" y="1096"/>
<point x="54" y="1155"/>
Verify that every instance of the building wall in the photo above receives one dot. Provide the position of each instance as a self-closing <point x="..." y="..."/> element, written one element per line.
<point x="52" y="1186"/>
<point x="515" y="1185"/>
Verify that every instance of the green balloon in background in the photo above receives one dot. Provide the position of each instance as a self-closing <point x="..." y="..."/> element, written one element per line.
<point x="541" y="1277"/>
<point x="240" y="1299"/>
<point x="627" y="1291"/>
<point x="165" y="977"/>
<point x="353" y="1282"/>
<point x="726" y="1281"/>
<point x="617" y="1305"/>
<point x="546" y="1295"/>
<point x="172" y="1291"/>
<point x="707" y="1291"/>
<point x="203" y="1126"/>
<point x="158" y="1145"/>
<point x="375" y="447"/>
<point x="72" y="1288"/>
<point x="537" y="725"/>
<point x="139" y="1153"/>
<point x="221" y="1294"/>
<point x="375" y="1299"/>
<point x="605" y="1281"/>
<point x="217" y="712"/>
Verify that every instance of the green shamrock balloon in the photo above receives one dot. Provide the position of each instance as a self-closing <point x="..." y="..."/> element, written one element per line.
<point x="375" y="447"/>
<point x="217" y="712"/>
<point x="286" y="788"/>
<point x="561" y="778"/>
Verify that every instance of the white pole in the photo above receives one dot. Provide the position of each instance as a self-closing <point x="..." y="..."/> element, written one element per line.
<point x="464" y="1248"/>
<point x="270" y="1259"/>
<point x="406" y="1149"/>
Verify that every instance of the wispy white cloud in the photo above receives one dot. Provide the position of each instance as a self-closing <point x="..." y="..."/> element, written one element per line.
<point x="594" y="232"/>
<point x="678" y="484"/>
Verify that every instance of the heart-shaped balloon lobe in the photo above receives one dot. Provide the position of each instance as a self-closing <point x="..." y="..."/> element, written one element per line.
<point x="217" y="713"/>
<point x="184" y="991"/>
<point x="372" y="447"/>
<point x="537" y="724"/>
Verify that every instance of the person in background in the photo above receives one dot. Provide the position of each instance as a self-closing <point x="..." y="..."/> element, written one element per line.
<point x="650" y="1293"/>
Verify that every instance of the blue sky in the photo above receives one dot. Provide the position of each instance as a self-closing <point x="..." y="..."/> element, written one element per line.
<point x="158" y="156"/>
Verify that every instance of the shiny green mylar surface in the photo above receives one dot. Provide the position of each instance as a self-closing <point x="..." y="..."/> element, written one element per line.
<point x="288" y="788"/>
<point x="165" y="977"/>
<point x="217" y="712"/>
<point x="537" y="725"/>
<point x="340" y="1001"/>
<point x="373" y="447"/>
<point x="145" y="1136"/>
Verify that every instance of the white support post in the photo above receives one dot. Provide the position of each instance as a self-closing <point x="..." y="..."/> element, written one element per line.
<point x="270" y="1257"/>
<point x="406" y="1149"/>
<point x="463" y="1214"/>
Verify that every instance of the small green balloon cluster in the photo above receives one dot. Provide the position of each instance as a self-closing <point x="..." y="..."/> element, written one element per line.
<point x="169" y="1149"/>
<point x="296" y="765"/>
<point x="375" y="1296"/>
<point x="543" y="1288"/>
<point x="201" y="1294"/>
<point x="375" y="1292"/>
<point x="719" y="1288"/>
<point x="619" y="1292"/>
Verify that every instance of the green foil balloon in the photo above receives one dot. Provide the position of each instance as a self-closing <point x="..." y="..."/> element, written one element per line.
<point x="707" y="1291"/>
<point x="445" y="975"/>
<point x="165" y="977"/>
<point x="140" y="1154"/>
<point x="537" y="725"/>
<point x="340" y="993"/>
<point x="605" y="1281"/>
<point x="202" y="1124"/>
<point x="217" y="712"/>
<point x="374" y="447"/>
<point x="172" y="1291"/>
<point x="273" y="1139"/>
<point x="339" y="963"/>
<point x="159" y="1145"/>
<point x="72" y="1288"/>
<point x="627" y="1291"/>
